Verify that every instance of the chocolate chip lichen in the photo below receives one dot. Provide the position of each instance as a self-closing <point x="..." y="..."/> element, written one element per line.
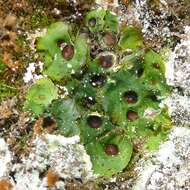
<point x="113" y="95"/>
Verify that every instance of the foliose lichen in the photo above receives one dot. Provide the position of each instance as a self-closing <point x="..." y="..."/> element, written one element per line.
<point x="114" y="92"/>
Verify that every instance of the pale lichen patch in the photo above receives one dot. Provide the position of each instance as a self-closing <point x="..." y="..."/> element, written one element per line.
<point x="169" y="167"/>
<point x="177" y="67"/>
<point x="65" y="156"/>
<point x="5" y="159"/>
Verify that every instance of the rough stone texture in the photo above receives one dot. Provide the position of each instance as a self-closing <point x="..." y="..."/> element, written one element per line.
<point x="169" y="168"/>
<point x="5" y="159"/>
<point x="178" y="71"/>
<point x="179" y="109"/>
<point x="65" y="156"/>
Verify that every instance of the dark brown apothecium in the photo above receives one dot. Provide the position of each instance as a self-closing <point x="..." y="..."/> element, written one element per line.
<point x="109" y="39"/>
<point x="68" y="52"/>
<point x="111" y="149"/>
<point x="94" y="121"/>
<point x="92" y="22"/>
<point x="106" y="61"/>
<point x="130" y="97"/>
<point x="132" y="115"/>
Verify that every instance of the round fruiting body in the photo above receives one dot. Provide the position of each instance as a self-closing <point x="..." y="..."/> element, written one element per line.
<point x="109" y="39"/>
<point x="68" y="52"/>
<point x="48" y="121"/>
<point x="92" y="22"/>
<point x="130" y="97"/>
<point x="111" y="149"/>
<point x="106" y="61"/>
<point x="94" y="121"/>
<point x="132" y="115"/>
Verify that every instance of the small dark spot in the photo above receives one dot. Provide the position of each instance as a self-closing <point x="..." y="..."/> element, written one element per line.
<point x="92" y="22"/>
<point x="12" y="175"/>
<point x="79" y="180"/>
<point x="158" y="12"/>
<point x="5" y="37"/>
<point x="139" y="71"/>
<point x="85" y="32"/>
<point x="36" y="41"/>
<point x="171" y="18"/>
<point x="111" y="149"/>
<point x="156" y="66"/>
<point x="97" y="80"/>
<point x="153" y="22"/>
<point x="106" y="61"/>
<point x="60" y="42"/>
<point x="94" y="121"/>
<point x="109" y="39"/>
<point x="130" y="97"/>
<point x="68" y="52"/>
<point x="180" y="90"/>
<point x="132" y="115"/>
<point x="16" y="159"/>
<point x="94" y="51"/>
<point x="28" y="128"/>
<point x="48" y="121"/>
<point x="88" y="102"/>
<point x="61" y="179"/>
<point x="178" y="167"/>
<point x="42" y="174"/>
<point x="153" y="97"/>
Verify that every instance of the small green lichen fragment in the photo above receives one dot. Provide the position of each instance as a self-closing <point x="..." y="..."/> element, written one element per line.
<point x="57" y="31"/>
<point x="65" y="112"/>
<point x="156" y="78"/>
<point x="113" y="92"/>
<point x="98" y="24"/>
<point x="111" y="22"/>
<point x="40" y="95"/>
<point x="56" y="67"/>
<point x="101" y="20"/>
<point x="88" y="134"/>
<point x="107" y="165"/>
<point x="131" y="38"/>
<point x="153" y="142"/>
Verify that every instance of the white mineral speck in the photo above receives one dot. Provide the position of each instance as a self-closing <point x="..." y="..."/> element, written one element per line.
<point x="178" y="108"/>
<point x="5" y="159"/>
<point x="31" y="37"/>
<point x="107" y="3"/>
<point x="30" y="74"/>
<point x="69" y="66"/>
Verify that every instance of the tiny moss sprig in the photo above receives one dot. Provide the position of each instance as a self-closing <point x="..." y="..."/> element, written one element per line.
<point x="6" y="90"/>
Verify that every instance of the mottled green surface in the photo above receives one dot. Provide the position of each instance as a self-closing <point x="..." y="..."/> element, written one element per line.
<point x="56" y="67"/>
<point x="136" y="68"/>
<point x="40" y="95"/>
